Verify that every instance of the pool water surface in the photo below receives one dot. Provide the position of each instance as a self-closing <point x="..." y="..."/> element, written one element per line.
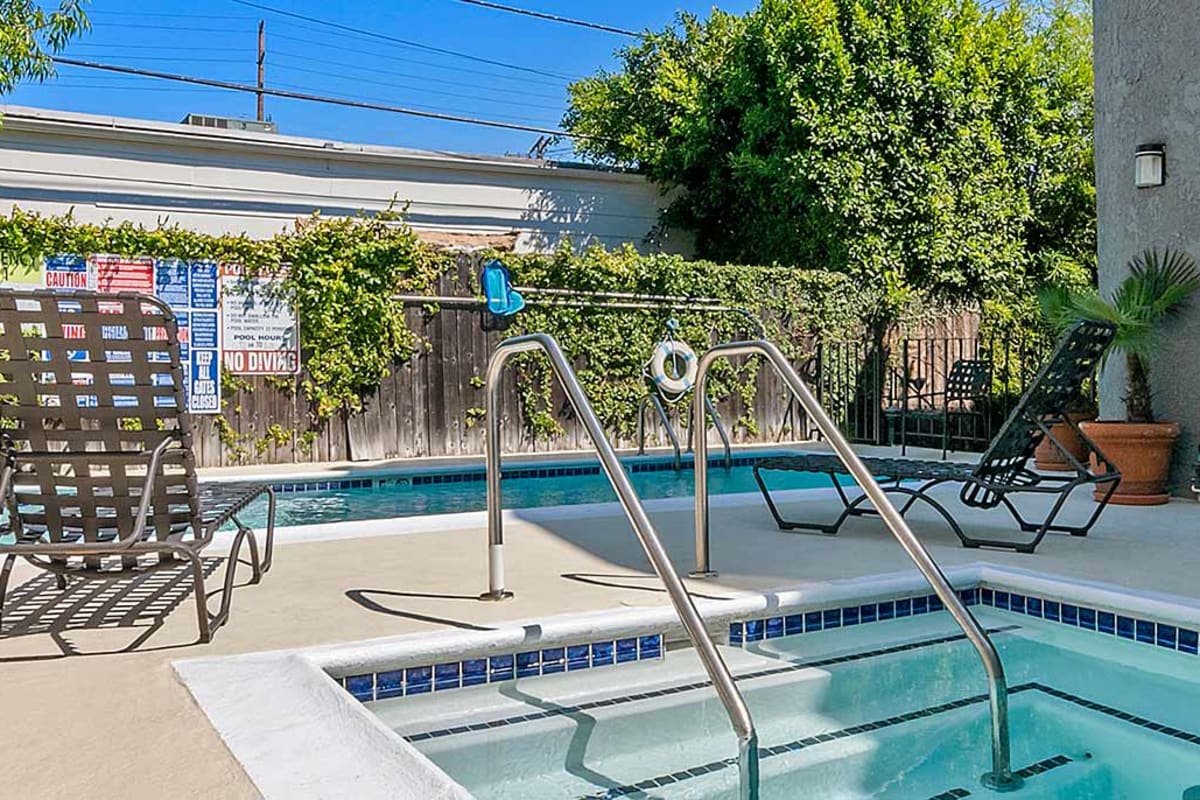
<point x="524" y="486"/>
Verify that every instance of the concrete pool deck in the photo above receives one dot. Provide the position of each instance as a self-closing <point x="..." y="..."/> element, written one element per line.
<point x="89" y="690"/>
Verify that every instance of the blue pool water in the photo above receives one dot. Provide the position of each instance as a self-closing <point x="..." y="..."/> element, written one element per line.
<point x="524" y="486"/>
<point x="892" y="709"/>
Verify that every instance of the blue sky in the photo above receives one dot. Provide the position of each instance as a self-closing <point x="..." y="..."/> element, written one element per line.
<point x="217" y="39"/>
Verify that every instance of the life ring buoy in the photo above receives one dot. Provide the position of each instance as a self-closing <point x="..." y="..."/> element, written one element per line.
<point x="677" y="352"/>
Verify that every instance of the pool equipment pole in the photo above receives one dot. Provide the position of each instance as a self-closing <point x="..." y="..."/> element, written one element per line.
<point x="1000" y="778"/>
<point x="635" y="512"/>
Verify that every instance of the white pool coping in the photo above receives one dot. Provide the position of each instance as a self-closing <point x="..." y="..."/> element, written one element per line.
<point x="337" y="470"/>
<point x="298" y="733"/>
<point x="467" y="520"/>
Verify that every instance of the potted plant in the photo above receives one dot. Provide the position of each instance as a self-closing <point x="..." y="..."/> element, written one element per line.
<point x="1159" y="286"/>
<point x="1055" y="307"/>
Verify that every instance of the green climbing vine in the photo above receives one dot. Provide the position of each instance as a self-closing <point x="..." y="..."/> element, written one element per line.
<point x="342" y="273"/>
<point x="611" y="346"/>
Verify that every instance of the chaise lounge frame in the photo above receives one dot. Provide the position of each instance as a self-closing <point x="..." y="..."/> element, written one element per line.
<point x="1002" y="471"/>
<point x="99" y="474"/>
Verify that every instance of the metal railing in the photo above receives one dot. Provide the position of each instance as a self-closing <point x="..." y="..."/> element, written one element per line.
<point x="653" y="399"/>
<point x="714" y="665"/>
<point x="1001" y="777"/>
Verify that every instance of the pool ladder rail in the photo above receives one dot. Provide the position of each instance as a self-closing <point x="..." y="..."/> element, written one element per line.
<point x="693" y="623"/>
<point x="1001" y="777"/>
<point x="653" y="399"/>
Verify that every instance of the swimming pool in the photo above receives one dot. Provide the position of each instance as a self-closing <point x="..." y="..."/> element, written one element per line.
<point x="851" y="709"/>
<point x="445" y="491"/>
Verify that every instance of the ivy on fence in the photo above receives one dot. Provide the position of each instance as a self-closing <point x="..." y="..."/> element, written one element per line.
<point x="343" y="272"/>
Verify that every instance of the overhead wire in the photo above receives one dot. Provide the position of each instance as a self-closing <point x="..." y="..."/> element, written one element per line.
<point x="275" y="53"/>
<point x="552" y="17"/>
<point x="523" y="79"/>
<point x="409" y="88"/>
<point x="296" y="95"/>
<point x="363" y="32"/>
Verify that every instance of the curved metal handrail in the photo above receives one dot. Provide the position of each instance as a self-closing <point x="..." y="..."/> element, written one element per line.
<point x="1001" y="777"/>
<point x="693" y="623"/>
<point x="647" y="399"/>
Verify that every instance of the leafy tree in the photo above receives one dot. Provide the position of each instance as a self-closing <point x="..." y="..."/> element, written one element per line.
<point x="922" y="146"/>
<point x="29" y="35"/>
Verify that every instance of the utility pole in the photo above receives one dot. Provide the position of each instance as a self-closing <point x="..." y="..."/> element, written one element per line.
<point x="262" y="57"/>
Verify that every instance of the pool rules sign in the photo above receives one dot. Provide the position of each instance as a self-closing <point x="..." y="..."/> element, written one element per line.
<point x="260" y="334"/>
<point x="190" y="288"/>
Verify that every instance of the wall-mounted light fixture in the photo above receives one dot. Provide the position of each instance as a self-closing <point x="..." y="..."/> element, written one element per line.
<point x="1149" y="166"/>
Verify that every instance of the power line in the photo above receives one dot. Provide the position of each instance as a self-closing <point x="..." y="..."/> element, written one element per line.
<point x="103" y="13"/>
<point x="432" y="64"/>
<point x="407" y="43"/>
<point x="391" y="85"/>
<point x="552" y="17"/>
<point x="308" y="59"/>
<point x="315" y="98"/>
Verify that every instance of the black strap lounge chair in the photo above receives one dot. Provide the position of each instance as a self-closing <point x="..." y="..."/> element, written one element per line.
<point x="963" y="399"/>
<point x="99" y="477"/>
<point x="1003" y="470"/>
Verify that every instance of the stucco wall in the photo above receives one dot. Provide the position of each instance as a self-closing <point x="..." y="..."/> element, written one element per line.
<point x="1148" y="90"/>
<point x="220" y="181"/>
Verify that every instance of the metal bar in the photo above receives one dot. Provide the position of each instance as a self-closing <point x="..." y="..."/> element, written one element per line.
<point x="714" y="665"/>
<point x="720" y="426"/>
<point x="667" y="426"/>
<point x="1000" y="778"/>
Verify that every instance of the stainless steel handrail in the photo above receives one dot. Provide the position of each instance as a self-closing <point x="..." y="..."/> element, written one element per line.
<point x="653" y="398"/>
<point x="719" y="425"/>
<point x="1001" y="777"/>
<point x="714" y="665"/>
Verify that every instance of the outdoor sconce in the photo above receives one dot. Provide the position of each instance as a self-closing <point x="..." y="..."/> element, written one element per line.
<point x="1149" y="166"/>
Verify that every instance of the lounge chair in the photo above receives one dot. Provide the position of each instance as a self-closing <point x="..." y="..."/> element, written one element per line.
<point x="1003" y="470"/>
<point x="99" y="477"/>
<point x="965" y="397"/>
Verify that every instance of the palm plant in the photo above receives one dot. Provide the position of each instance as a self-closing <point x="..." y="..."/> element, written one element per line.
<point x="1159" y="286"/>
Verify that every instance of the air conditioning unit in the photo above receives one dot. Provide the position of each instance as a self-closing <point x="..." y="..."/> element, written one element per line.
<point x="230" y="123"/>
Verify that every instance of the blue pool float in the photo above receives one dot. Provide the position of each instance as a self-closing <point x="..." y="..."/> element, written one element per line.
<point x="496" y="281"/>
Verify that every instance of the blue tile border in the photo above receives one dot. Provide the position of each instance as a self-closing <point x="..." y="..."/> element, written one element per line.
<point x="749" y="631"/>
<point x="481" y="670"/>
<point x="497" y="668"/>
<point x="1164" y="635"/>
<point x="478" y="475"/>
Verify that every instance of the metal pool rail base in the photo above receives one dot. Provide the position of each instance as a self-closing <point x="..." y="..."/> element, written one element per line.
<point x="714" y="665"/>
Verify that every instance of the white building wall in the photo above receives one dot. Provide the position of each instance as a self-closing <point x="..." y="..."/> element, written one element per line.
<point x="215" y="181"/>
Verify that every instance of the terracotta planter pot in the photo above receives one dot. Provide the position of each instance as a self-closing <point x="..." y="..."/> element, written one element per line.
<point x="1047" y="457"/>
<point x="1142" y="452"/>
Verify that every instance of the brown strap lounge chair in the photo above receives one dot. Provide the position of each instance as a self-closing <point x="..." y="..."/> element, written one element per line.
<point x="99" y="477"/>
<point x="1003" y="471"/>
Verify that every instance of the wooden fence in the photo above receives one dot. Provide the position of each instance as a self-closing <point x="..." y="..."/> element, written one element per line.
<point x="430" y="405"/>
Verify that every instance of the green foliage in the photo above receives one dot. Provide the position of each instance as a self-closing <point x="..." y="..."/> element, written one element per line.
<point x="920" y="146"/>
<point x="30" y="35"/>
<point x="341" y="277"/>
<point x="610" y="347"/>
<point x="1160" y="285"/>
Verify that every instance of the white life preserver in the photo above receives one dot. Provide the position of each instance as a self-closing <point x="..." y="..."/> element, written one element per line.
<point x="676" y="351"/>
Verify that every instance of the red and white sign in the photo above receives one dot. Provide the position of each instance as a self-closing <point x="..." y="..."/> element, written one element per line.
<point x="121" y="274"/>
<point x="259" y="331"/>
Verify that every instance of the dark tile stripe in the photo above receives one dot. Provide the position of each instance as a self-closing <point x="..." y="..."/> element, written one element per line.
<point x="794" y="746"/>
<point x="1028" y="772"/>
<point x="562" y="711"/>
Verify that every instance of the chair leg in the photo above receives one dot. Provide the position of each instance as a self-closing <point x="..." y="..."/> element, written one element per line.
<point x="5" y="572"/>
<point x="61" y="581"/>
<point x="202" y="618"/>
